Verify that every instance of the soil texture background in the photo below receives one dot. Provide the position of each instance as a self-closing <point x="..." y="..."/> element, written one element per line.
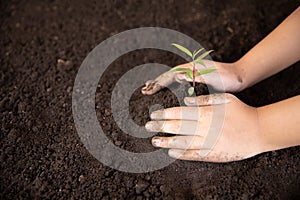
<point x="43" y="44"/>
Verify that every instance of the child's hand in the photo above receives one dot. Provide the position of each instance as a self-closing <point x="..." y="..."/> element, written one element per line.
<point x="235" y="134"/>
<point x="225" y="78"/>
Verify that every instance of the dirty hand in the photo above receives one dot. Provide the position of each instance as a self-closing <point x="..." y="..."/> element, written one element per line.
<point x="238" y="136"/>
<point x="226" y="78"/>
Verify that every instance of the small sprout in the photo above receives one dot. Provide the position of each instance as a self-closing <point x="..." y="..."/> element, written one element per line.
<point x="193" y="73"/>
<point x="191" y="91"/>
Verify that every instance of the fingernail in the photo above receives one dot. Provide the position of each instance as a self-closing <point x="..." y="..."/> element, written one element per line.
<point x="153" y="126"/>
<point x="159" y="114"/>
<point x="156" y="142"/>
<point x="190" y="100"/>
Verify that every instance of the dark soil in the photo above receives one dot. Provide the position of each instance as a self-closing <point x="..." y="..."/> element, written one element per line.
<point x="41" y="153"/>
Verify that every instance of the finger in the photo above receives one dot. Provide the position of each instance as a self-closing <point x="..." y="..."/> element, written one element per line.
<point x="206" y="155"/>
<point x="153" y="86"/>
<point x="205" y="100"/>
<point x="183" y="113"/>
<point x="176" y="127"/>
<point x="191" y="154"/>
<point x="178" y="142"/>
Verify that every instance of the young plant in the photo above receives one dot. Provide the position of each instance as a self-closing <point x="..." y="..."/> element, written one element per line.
<point x="193" y="73"/>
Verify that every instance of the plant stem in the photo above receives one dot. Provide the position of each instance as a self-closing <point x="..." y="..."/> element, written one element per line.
<point x="194" y="73"/>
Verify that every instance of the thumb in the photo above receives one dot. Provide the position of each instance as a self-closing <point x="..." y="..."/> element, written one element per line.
<point x="206" y="100"/>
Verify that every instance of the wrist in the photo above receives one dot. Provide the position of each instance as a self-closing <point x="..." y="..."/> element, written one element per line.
<point x="279" y="124"/>
<point x="239" y="75"/>
<point x="264" y="139"/>
<point x="270" y="139"/>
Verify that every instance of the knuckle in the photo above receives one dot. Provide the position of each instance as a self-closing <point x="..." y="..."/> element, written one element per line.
<point x="179" y="77"/>
<point x="230" y="97"/>
<point x="173" y="142"/>
<point x="204" y="99"/>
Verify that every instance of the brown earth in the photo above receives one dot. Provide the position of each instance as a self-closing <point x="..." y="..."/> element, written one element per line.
<point x="41" y="153"/>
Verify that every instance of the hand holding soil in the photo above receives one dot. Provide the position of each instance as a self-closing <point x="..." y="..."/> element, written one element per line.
<point x="226" y="71"/>
<point x="240" y="135"/>
<point x="246" y="131"/>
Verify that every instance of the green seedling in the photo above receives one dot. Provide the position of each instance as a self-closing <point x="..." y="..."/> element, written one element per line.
<point x="193" y="73"/>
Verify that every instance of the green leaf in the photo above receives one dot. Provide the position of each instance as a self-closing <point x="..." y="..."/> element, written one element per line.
<point x="180" y="69"/>
<point x="190" y="74"/>
<point x="206" y="71"/>
<point x="200" y="62"/>
<point x="188" y="71"/>
<point x="204" y="55"/>
<point x="191" y="91"/>
<point x="195" y="54"/>
<point x="185" y="50"/>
